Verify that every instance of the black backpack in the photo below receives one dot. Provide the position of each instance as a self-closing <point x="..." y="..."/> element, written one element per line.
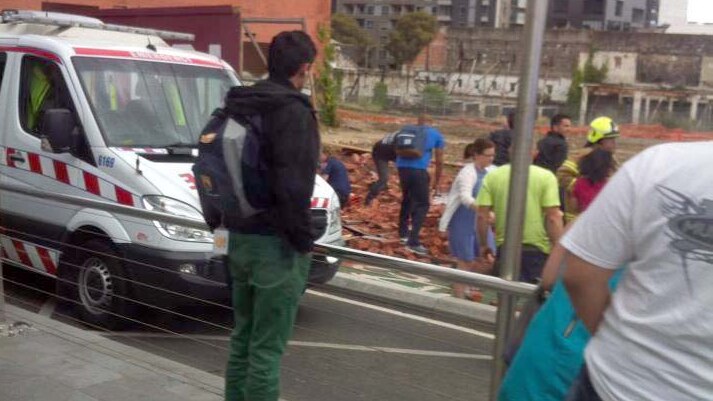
<point x="231" y="175"/>
<point x="410" y="142"/>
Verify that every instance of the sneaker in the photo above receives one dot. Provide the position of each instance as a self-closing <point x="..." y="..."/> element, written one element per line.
<point x="418" y="249"/>
<point x="403" y="240"/>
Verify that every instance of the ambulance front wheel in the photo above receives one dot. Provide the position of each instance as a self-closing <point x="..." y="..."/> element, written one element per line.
<point x="93" y="279"/>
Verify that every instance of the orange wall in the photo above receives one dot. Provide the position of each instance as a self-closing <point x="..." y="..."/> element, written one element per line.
<point x="315" y="12"/>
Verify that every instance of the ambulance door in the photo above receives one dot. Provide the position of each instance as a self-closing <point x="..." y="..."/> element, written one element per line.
<point x="33" y="227"/>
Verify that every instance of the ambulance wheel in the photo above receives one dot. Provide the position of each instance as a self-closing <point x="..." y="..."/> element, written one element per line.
<point x="98" y="285"/>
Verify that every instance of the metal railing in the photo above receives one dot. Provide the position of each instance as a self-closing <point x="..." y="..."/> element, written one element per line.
<point x="425" y="269"/>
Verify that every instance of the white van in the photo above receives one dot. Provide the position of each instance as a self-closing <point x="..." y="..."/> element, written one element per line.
<point x="113" y="113"/>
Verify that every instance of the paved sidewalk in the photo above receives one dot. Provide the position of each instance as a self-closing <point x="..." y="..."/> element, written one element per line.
<point x="50" y="360"/>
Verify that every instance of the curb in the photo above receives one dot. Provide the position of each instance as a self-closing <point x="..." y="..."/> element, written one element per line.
<point x="439" y="303"/>
<point x="205" y="381"/>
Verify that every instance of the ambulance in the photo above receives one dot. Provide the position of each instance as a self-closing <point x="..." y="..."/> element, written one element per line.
<point x="113" y="113"/>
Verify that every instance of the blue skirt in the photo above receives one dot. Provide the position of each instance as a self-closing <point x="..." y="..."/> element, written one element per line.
<point x="462" y="235"/>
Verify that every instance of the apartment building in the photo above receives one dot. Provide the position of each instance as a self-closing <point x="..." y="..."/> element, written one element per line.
<point x="378" y="18"/>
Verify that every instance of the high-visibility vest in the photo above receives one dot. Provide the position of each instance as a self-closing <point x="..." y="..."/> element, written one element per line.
<point x="39" y="88"/>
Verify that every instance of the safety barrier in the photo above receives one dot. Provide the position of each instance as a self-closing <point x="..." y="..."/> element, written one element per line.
<point x="100" y="207"/>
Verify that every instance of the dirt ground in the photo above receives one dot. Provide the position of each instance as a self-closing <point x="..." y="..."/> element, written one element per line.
<point x="374" y="228"/>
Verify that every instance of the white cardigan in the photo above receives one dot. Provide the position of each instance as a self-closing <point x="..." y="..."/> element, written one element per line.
<point x="461" y="193"/>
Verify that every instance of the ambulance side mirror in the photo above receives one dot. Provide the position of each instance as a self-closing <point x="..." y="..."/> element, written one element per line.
<point x="57" y="130"/>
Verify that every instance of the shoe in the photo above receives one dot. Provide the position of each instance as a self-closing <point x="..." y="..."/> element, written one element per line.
<point x="403" y="240"/>
<point x="418" y="249"/>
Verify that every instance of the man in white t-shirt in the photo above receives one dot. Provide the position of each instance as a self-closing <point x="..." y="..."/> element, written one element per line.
<point x="653" y="338"/>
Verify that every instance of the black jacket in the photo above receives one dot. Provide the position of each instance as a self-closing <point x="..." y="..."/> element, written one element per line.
<point x="551" y="151"/>
<point x="503" y="140"/>
<point x="291" y="150"/>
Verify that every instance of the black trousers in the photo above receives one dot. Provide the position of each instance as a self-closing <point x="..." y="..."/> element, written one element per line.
<point x="415" y="203"/>
<point x="382" y="169"/>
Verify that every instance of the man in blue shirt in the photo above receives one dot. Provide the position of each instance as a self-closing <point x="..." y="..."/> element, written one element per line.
<point x="336" y="174"/>
<point x="413" y="174"/>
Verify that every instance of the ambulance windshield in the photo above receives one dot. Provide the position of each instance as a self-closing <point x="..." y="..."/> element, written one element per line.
<point x="151" y="104"/>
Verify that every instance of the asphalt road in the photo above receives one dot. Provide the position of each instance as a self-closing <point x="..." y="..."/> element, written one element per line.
<point x="343" y="349"/>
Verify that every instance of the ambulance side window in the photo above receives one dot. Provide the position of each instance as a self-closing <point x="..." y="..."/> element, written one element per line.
<point x="42" y="87"/>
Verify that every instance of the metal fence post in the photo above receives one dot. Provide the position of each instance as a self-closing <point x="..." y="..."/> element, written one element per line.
<point x="521" y="158"/>
<point x="3" y="319"/>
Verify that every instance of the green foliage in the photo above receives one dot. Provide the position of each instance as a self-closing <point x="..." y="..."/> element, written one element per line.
<point x="347" y="31"/>
<point x="434" y="96"/>
<point x="380" y="97"/>
<point x="412" y="33"/>
<point x="588" y="74"/>
<point x="328" y="86"/>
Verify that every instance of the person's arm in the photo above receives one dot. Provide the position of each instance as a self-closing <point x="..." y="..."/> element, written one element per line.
<point x="438" y="152"/>
<point x="588" y="288"/>
<point x="553" y="223"/>
<point x="464" y="184"/>
<point x="483" y="228"/>
<point x="550" y="202"/>
<point x="294" y="158"/>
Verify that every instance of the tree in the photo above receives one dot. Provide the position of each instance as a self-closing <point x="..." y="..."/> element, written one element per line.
<point x="347" y="31"/>
<point x="589" y="74"/>
<point x="327" y="83"/>
<point x="412" y="33"/>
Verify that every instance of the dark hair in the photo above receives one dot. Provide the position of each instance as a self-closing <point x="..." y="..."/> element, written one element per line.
<point x="481" y="144"/>
<point x="557" y="119"/>
<point x="288" y="51"/>
<point x="597" y="165"/>
<point x="469" y="151"/>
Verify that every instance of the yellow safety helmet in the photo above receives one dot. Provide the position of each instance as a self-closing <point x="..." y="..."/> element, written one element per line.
<point x="602" y="128"/>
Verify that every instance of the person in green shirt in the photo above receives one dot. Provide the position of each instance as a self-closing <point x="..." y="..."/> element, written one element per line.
<point x="542" y="226"/>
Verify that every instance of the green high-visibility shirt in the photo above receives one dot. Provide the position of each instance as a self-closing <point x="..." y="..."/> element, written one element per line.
<point x="542" y="192"/>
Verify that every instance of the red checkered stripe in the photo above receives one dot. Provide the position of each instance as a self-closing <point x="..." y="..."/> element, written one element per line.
<point x="29" y="254"/>
<point x="68" y="174"/>
<point x="319" y="203"/>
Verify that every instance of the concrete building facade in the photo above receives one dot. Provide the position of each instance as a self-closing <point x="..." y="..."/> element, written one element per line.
<point x="674" y="16"/>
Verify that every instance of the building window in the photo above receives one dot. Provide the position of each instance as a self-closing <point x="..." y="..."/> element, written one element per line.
<point x="513" y="86"/>
<point x="561" y="6"/>
<point x="368" y="24"/>
<point x="370" y="10"/>
<point x="619" y="9"/>
<point x="385" y="10"/>
<point x="463" y="12"/>
<point x="397" y="9"/>
<point x="549" y="90"/>
<point x="360" y="22"/>
<point x="637" y="16"/>
<point x="494" y="85"/>
<point x="617" y="62"/>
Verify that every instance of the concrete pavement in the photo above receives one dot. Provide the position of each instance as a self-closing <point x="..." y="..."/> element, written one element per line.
<point x="409" y="290"/>
<point x="50" y="360"/>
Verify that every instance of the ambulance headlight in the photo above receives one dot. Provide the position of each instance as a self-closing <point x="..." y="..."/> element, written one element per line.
<point x="164" y="204"/>
<point x="335" y="218"/>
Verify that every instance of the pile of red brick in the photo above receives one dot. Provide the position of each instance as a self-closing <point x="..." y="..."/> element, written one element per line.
<point x="374" y="228"/>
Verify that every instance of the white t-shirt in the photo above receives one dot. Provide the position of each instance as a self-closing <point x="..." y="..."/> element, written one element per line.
<point x="656" y="214"/>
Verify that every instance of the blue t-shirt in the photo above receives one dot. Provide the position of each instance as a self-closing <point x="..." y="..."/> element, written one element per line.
<point x="434" y="140"/>
<point x="338" y="177"/>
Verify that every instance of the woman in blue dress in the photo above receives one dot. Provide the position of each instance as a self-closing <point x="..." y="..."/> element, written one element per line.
<point x="459" y="218"/>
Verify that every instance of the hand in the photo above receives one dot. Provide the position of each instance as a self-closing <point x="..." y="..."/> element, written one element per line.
<point x="486" y="253"/>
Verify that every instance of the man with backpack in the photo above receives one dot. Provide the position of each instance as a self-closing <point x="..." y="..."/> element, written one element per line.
<point x="269" y="251"/>
<point x="382" y="153"/>
<point x="414" y="147"/>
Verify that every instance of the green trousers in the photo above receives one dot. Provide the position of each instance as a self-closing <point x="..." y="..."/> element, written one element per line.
<point x="268" y="280"/>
